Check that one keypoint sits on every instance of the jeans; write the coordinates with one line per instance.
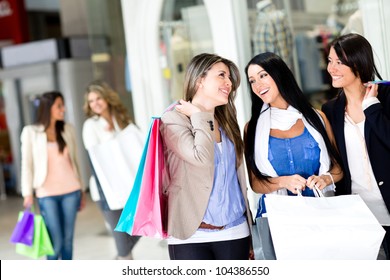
(237, 249)
(59, 213)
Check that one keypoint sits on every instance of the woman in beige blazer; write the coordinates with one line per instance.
(50, 171)
(208, 216)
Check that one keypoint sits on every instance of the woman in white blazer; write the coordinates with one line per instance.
(107, 117)
(50, 170)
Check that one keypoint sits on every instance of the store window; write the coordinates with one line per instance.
(184, 32)
(299, 32)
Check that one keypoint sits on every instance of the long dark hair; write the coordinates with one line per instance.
(355, 51)
(226, 115)
(46, 101)
(292, 94)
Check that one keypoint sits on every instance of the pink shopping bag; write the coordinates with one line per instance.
(151, 212)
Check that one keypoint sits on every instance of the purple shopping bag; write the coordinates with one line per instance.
(24, 229)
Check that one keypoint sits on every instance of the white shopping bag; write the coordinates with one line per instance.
(323, 228)
(116, 163)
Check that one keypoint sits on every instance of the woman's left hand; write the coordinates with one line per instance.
(371, 90)
(318, 181)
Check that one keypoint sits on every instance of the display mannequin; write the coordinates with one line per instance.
(354, 24)
(181, 56)
(263, 4)
(272, 32)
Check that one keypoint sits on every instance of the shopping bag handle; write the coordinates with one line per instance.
(316, 190)
(30, 208)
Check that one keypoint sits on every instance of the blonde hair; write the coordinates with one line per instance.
(115, 106)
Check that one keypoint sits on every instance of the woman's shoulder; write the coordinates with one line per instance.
(92, 122)
(69, 126)
(173, 116)
(33, 128)
(30, 132)
(384, 93)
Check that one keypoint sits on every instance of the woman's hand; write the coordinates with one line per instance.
(251, 254)
(28, 201)
(293, 183)
(187, 108)
(83, 201)
(371, 90)
(319, 181)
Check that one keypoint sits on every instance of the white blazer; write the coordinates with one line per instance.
(34, 156)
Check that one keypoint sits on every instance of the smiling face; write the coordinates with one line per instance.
(341, 74)
(264, 86)
(97, 103)
(57, 110)
(215, 87)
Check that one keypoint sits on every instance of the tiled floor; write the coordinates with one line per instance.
(92, 240)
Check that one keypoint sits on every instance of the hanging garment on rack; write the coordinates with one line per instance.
(180, 53)
(308, 59)
(272, 33)
(354, 24)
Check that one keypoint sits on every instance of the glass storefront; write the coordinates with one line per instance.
(142, 48)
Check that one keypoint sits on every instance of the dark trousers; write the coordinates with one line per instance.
(124, 243)
(237, 249)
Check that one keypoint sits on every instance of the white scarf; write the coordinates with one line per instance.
(262, 137)
(284, 119)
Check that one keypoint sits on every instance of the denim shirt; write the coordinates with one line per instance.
(226, 204)
(298, 155)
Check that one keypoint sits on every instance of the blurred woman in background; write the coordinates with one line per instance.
(50, 168)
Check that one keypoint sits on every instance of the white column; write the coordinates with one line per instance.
(141, 26)
(376, 24)
(230, 30)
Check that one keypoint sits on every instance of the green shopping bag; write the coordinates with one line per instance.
(42, 244)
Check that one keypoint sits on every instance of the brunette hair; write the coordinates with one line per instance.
(226, 115)
(292, 94)
(355, 51)
(46, 101)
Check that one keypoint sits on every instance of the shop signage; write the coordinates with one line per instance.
(13, 21)
(5, 9)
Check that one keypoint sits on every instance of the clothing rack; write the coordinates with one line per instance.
(171, 24)
(345, 8)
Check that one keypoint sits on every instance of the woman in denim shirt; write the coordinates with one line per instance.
(288, 144)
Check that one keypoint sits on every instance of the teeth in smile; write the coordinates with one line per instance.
(225, 92)
(264, 91)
